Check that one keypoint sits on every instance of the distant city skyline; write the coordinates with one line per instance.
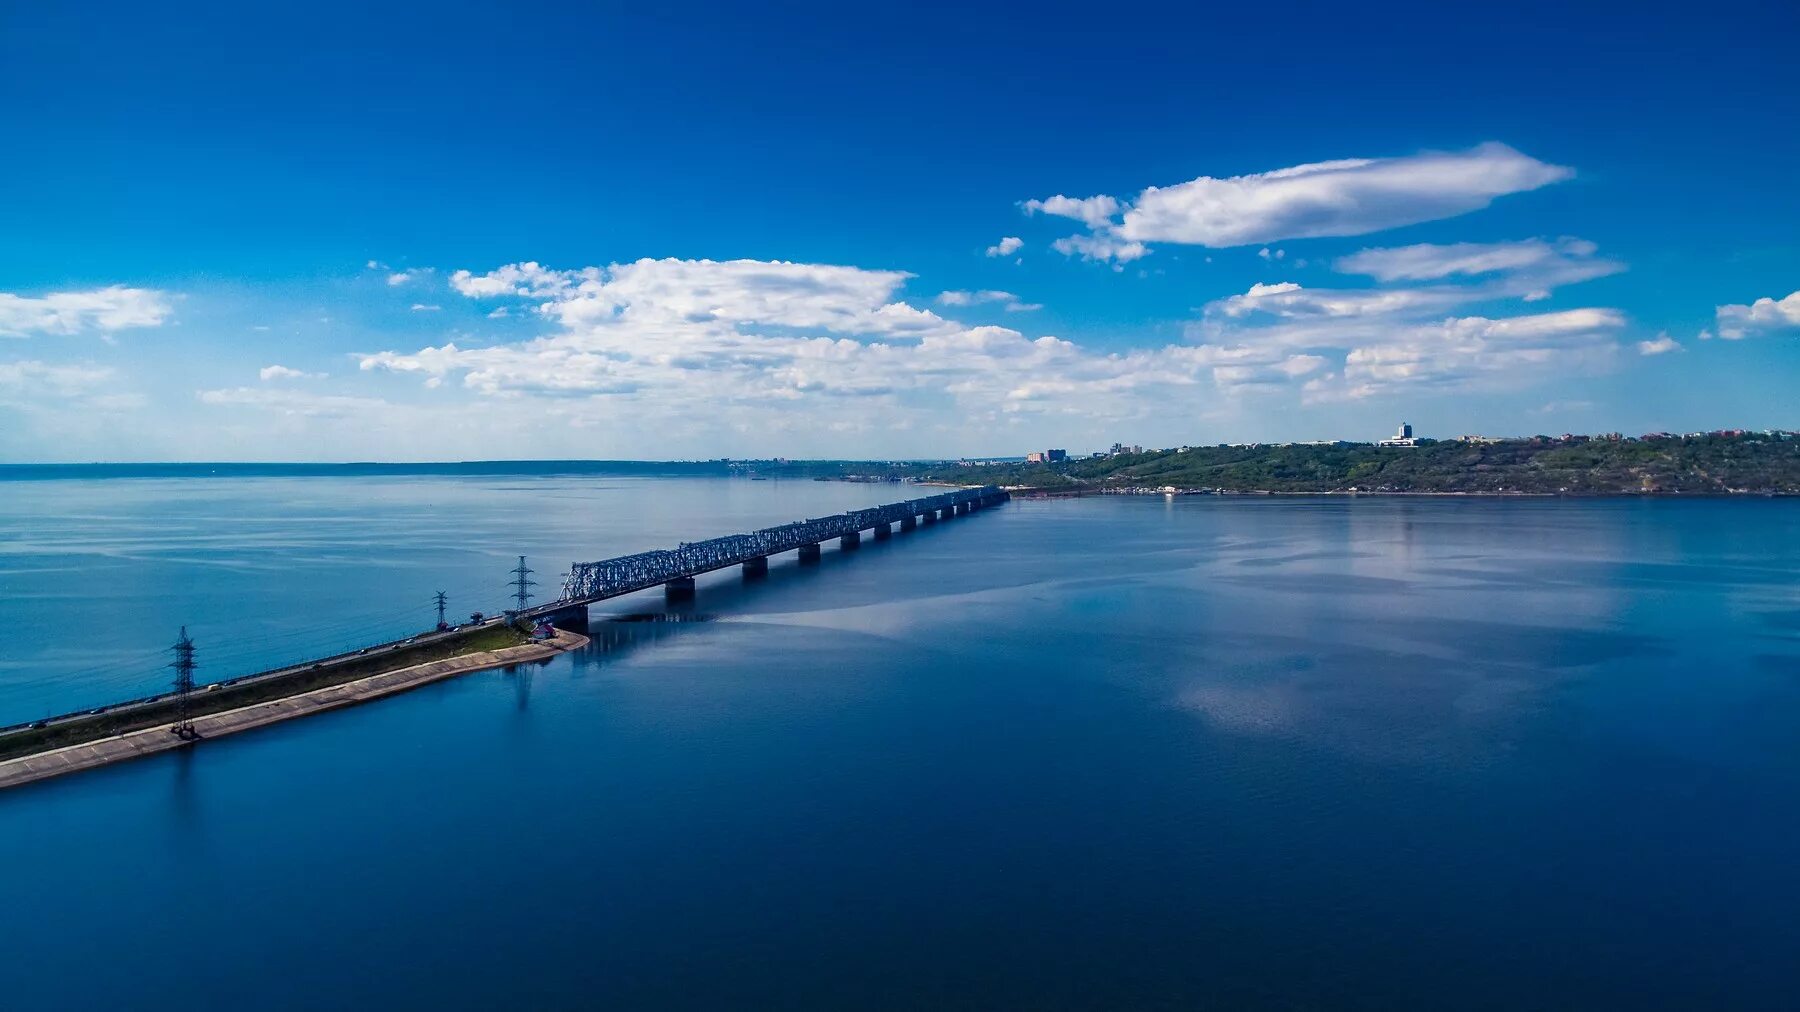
(859, 234)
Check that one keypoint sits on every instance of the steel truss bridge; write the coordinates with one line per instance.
(593, 581)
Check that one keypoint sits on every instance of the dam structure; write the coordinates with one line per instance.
(132, 728)
(675, 568)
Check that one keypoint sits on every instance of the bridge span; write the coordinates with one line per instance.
(675, 568)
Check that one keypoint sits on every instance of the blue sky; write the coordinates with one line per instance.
(233, 234)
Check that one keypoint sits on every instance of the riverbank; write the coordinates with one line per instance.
(160, 737)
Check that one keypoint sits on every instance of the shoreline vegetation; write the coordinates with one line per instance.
(1723, 463)
(1712, 464)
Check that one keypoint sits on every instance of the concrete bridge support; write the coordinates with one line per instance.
(573, 618)
(883, 532)
(756, 567)
(907, 523)
(850, 540)
(809, 553)
(679, 589)
(929, 517)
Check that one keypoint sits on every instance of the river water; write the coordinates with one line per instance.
(1099, 753)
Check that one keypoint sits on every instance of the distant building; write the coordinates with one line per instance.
(1056, 456)
(1402, 437)
(1035, 457)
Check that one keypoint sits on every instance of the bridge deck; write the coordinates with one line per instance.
(595, 581)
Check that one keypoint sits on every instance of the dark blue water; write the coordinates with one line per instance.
(1106, 753)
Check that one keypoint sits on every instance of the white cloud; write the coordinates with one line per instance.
(293, 402)
(1006, 246)
(1339, 198)
(1288, 300)
(1095, 212)
(1662, 345)
(526, 280)
(1474, 353)
(1008, 300)
(376, 265)
(1267, 254)
(782, 347)
(107, 310)
(648, 293)
(420, 307)
(1764, 316)
(1547, 263)
(61, 380)
(1101, 247)
(281, 372)
(775, 347)
(407, 276)
(500, 313)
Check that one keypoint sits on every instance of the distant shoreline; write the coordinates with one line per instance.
(1074, 492)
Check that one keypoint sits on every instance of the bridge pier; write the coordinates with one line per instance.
(883, 532)
(946, 513)
(758, 566)
(679, 589)
(573, 618)
(908, 522)
(929, 517)
(850, 540)
(809, 553)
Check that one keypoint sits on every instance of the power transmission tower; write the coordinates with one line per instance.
(522, 583)
(184, 688)
(440, 607)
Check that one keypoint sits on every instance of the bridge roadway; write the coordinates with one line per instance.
(676, 568)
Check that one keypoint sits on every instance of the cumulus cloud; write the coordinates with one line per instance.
(777, 346)
(1101, 247)
(1006, 247)
(1388, 337)
(1764, 316)
(1292, 301)
(269, 373)
(761, 342)
(407, 276)
(526, 280)
(1661, 345)
(1353, 196)
(420, 307)
(1474, 352)
(106, 310)
(1095, 212)
(838, 300)
(1008, 300)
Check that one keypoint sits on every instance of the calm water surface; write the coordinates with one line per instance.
(1103, 753)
